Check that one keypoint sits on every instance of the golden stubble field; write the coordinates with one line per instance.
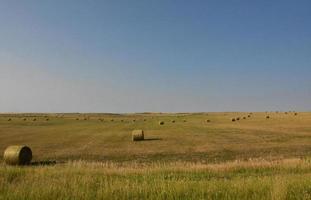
(92, 156)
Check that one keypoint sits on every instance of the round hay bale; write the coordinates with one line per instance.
(185, 120)
(112, 120)
(285, 113)
(9, 119)
(173, 121)
(268, 117)
(24, 119)
(238, 118)
(137, 135)
(208, 120)
(233, 119)
(47, 119)
(77, 119)
(34, 119)
(122, 120)
(296, 114)
(17, 155)
(248, 116)
(161, 123)
(134, 120)
(145, 120)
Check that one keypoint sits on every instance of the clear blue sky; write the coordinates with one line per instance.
(155, 55)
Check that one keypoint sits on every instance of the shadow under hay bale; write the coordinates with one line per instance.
(17, 155)
(43, 163)
(138, 135)
(152, 139)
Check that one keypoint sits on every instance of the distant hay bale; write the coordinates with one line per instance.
(9, 119)
(208, 120)
(34, 119)
(173, 121)
(244, 117)
(268, 117)
(85, 119)
(248, 116)
(137, 135)
(24, 119)
(161, 123)
(77, 119)
(185, 120)
(238, 118)
(286, 113)
(296, 113)
(47, 119)
(122, 120)
(233, 119)
(112, 120)
(17, 155)
(134, 120)
(145, 120)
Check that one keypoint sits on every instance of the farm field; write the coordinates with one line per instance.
(92, 156)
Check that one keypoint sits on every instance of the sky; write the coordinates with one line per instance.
(155, 55)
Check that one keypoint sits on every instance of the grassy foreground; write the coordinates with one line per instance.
(286, 179)
(91, 156)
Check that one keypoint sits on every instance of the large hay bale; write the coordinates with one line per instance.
(238, 118)
(137, 135)
(244, 117)
(17, 155)
(208, 120)
(268, 117)
(173, 121)
(161, 123)
(233, 119)
(9, 119)
(296, 114)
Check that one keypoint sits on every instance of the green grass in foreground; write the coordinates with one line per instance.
(249, 180)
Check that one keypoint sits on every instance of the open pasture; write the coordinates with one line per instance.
(198, 156)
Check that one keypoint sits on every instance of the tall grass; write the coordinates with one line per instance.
(255, 179)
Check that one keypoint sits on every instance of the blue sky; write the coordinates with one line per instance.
(155, 55)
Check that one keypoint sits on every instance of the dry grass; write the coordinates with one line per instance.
(244, 180)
